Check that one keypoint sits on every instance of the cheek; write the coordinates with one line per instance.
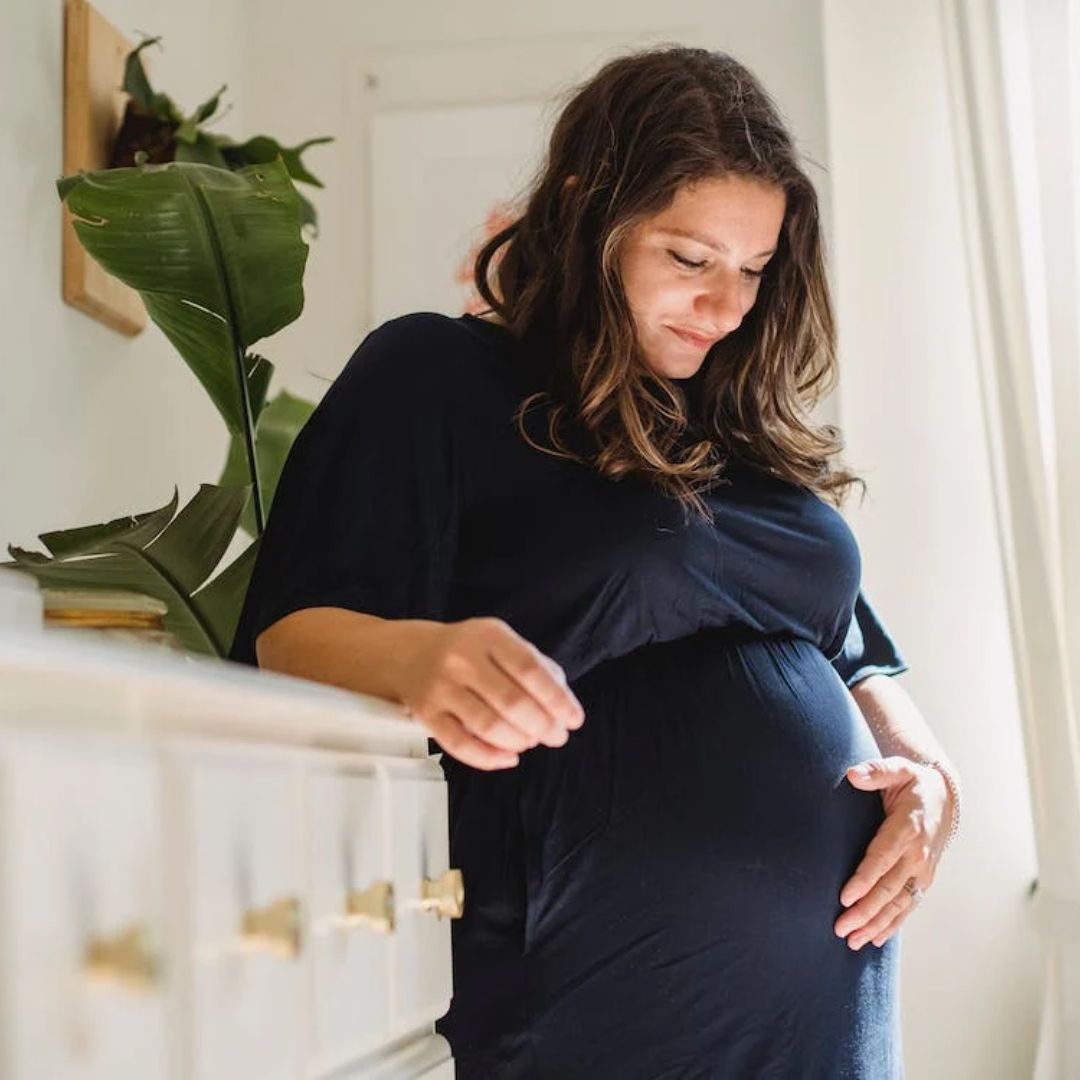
(665, 297)
(638, 283)
(650, 286)
(751, 299)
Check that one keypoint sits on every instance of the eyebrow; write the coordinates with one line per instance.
(689, 234)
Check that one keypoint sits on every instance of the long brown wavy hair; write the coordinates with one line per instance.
(645, 124)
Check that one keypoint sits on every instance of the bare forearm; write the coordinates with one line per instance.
(343, 648)
(895, 721)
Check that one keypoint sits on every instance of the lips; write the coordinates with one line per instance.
(702, 341)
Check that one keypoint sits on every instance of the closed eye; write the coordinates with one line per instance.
(687, 264)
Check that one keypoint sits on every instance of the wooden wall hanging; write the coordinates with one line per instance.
(94, 52)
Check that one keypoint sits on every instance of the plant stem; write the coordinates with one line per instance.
(249, 440)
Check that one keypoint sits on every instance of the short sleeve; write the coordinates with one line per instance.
(868, 647)
(366, 512)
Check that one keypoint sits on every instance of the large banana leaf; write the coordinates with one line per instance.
(213, 149)
(163, 556)
(216, 255)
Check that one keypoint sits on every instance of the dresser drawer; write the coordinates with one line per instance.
(423, 979)
(240, 816)
(425, 1057)
(352, 909)
(85, 991)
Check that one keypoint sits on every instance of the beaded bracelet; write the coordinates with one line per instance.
(954, 787)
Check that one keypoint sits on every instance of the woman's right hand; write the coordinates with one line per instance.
(484, 692)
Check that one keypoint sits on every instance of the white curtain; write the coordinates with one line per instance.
(1014, 78)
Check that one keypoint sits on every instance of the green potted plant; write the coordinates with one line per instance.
(154, 125)
(216, 252)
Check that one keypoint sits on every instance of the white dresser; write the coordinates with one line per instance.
(209, 871)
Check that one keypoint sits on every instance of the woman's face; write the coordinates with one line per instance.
(696, 267)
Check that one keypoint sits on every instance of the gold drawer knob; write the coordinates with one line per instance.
(275, 928)
(126, 957)
(445, 895)
(373, 906)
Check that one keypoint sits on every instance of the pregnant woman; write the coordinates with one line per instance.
(589, 539)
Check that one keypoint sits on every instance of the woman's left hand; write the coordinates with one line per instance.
(918, 810)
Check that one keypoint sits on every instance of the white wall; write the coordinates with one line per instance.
(93, 424)
(910, 408)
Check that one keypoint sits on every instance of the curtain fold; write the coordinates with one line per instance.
(1014, 84)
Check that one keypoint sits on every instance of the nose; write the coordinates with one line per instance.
(721, 308)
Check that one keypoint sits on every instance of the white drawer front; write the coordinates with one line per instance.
(80, 832)
(426, 1057)
(243, 826)
(350, 947)
(419, 837)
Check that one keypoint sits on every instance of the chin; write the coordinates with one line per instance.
(676, 362)
(675, 369)
(676, 366)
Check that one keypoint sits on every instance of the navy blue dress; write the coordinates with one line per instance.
(656, 898)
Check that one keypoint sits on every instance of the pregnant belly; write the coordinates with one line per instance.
(704, 800)
(655, 899)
